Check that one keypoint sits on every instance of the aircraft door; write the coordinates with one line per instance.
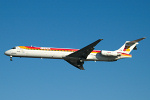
(20, 51)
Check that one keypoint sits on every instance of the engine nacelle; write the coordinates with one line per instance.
(110, 53)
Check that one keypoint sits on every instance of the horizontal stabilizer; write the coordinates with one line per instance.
(135, 41)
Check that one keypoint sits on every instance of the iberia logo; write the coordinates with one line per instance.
(127, 48)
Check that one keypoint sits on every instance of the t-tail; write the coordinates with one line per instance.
(128, 47)
(124, 51)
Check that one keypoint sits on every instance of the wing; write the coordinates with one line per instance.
(77, 58)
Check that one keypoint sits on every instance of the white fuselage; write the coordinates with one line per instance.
(75, 57)
(55, 53)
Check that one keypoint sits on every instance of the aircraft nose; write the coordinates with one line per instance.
(7, 52)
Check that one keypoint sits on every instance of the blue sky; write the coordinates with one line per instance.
(74, 24)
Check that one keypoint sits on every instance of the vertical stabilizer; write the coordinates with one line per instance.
(129, 46)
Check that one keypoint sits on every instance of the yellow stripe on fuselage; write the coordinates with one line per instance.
(38, 48)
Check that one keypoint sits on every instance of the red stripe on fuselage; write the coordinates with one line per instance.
(32, 47)
(59, 49)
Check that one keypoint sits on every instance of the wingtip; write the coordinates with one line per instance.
(100, 39)
(144, 37)
(81, 68)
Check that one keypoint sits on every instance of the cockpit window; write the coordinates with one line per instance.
(14, 48)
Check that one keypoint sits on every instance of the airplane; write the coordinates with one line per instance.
(75, 57)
